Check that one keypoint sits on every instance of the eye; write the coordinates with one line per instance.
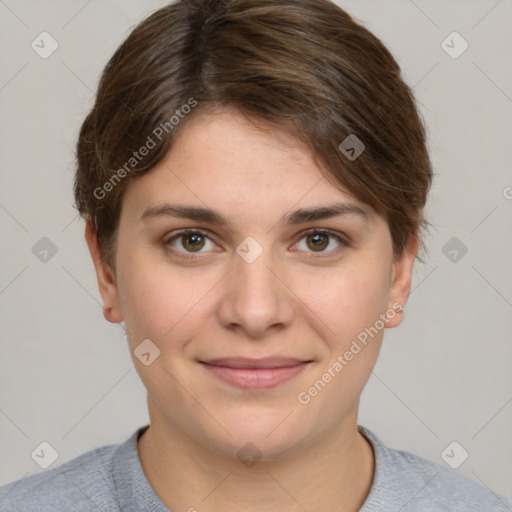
(317, 240)
(192, 241)
(189, 241)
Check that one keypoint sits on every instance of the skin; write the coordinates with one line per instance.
(294, 300)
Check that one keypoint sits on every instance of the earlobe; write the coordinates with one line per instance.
(106, 281)
(401, 278)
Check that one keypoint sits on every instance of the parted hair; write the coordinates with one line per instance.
(304, 66)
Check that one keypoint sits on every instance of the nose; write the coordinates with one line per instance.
(256, 299)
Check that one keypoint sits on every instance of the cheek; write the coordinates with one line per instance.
(347, 305)
(167, 309)
(344, 302)
(149, 304)
(160, 302)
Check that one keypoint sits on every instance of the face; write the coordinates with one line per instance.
(261, 319)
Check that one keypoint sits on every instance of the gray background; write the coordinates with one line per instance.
(66, 376)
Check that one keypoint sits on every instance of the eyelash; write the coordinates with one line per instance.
(344, 242)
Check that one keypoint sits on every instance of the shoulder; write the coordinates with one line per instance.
(83, 483)
(409, 481)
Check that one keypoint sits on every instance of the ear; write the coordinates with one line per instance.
(401, 277)
(106, 281)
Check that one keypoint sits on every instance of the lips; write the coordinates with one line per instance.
(254, 374)
(265, 362)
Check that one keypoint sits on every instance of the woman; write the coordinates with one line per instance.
(253, 176)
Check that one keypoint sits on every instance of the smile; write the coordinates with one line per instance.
(255, 374)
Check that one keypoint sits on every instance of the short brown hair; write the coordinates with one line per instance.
(302, 65)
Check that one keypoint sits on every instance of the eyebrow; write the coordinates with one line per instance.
(209, 216)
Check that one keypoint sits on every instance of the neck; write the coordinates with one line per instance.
(334, 473)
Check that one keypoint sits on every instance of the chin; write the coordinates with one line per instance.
(264, 433)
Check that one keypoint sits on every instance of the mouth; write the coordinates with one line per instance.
(255, 374)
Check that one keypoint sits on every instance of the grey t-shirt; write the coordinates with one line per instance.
(110, 478)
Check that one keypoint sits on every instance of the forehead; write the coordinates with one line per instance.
(236, 146)
(225, 162)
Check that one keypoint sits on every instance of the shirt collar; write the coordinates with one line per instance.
(135, 492)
